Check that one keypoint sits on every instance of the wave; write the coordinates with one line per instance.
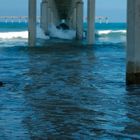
(21, 35)
(56, 33)
(108, 32)
(41, 34)
(61, 34)
(14, 35)
(53, 32)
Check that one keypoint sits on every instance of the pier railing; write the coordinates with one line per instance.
(20, 19)
(13, 19)
(101, 19)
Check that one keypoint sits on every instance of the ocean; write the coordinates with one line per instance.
(64, 89)
(16, 34)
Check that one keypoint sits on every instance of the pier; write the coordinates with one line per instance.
(72, 11)
(54, 11)
(53, 89)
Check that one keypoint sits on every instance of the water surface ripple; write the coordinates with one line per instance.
(67, 92)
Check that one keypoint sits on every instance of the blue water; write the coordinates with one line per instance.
(67, 90)
(16, 26)
(109, 26)
(105, 33)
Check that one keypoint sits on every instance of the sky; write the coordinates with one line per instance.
(114, 9)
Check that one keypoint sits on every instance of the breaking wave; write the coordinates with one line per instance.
(61, 34)
(111, 32)
(14, 35)
(57, 33)
(53, 32)
(21, 35)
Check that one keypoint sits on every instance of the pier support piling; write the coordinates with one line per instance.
(74, 19)
(79, 20)
(44, 15)
(32, 23)
(91, 21)
(49, 17)
(133, 42)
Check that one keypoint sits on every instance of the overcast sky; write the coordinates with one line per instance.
(114, 9)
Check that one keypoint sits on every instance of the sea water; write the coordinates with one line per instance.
(65, 89)
(16, 34)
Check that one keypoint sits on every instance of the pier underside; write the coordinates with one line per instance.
(56, 11)
(71, 11)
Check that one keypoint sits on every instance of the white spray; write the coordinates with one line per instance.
(60, 33)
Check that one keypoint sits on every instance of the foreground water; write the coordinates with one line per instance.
(67, 90)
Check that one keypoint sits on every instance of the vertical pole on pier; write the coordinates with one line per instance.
(79, 20)
(44, 15)
(91, 21)
(133, 42)
(32, 23)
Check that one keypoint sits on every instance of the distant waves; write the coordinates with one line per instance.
(24, 34)
(107, 32)
(14, 35)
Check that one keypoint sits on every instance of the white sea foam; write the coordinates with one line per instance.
(21, 35)
(54, 32)
(41, 34)
(14, 35)
(61, 34)
(107, 32)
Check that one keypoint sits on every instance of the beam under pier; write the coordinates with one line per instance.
(91, 21)
(32, 23)
(133, 42)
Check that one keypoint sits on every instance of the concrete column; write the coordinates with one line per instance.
(41, 14)
(49, 16)
(91, 21)
(74, 19)
(56, 19)
(133, 42)
(79, 20)
(44, 15)
(69, 22)
(32, 23)
(52, 17)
